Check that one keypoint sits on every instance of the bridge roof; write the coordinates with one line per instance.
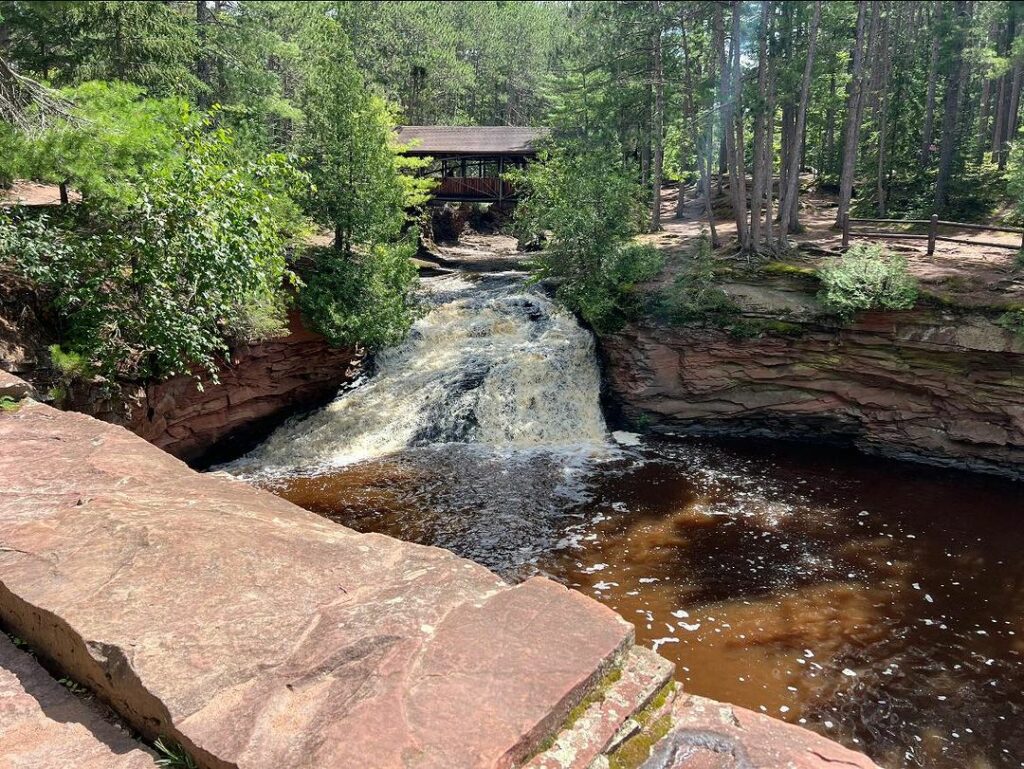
(471, 140)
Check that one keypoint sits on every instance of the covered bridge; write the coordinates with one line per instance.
(469, 161)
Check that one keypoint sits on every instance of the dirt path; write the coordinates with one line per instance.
(975, 275)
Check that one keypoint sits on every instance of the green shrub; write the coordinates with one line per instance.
(694, 294)
(867, 277)
(1013, 321)
(170, 755)
(156, 286)
(365, 298)
(69, 365)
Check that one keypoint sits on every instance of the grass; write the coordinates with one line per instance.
(787, 268)
(634, 751)
(172, 756)
(7, 403)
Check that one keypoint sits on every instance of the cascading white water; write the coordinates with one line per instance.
(492, 363)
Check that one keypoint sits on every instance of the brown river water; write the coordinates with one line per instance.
(878, 603)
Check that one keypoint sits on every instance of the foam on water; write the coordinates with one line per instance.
(491, 363)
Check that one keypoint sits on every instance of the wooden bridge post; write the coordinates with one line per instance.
(846, 230)
(933, 230)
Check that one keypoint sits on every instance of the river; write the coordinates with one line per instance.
(878, 603)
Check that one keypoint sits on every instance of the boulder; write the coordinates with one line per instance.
(713, 735)
(261, 636)
(44, 726)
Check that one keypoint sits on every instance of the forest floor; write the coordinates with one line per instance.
(974, 274)
(25, 193)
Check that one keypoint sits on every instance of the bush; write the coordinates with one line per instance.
(867, 277)
(365, 298)
(69, 365)
(155, 287)
(1012, 320)
(590, 209)
(695, 294)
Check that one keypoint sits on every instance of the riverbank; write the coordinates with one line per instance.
(942, 383)
(250, 631)
(194, 418)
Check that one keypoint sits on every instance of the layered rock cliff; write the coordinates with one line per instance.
(196, 420)
(203, 421)
(939, 384)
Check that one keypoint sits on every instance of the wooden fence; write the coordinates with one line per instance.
(933, 232)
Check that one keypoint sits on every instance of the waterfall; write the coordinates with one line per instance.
(492, 362)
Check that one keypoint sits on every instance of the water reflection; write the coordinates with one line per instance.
(877, 603)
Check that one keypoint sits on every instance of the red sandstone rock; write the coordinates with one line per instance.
(711, 735)
(909, 384)
(643, 675)
(264, 382)
(13, 387)
(261, 636)
(43, 726)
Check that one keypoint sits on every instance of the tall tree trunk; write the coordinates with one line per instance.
(760, 130)
(204, 65)
(928, 131)
(1011, 116)
(851, 128)
(1001, 109)
(951, 109)
(658, 124)
(986, 90)
(829, 145)
(788, 219)
(882, 117)
(690, 120)
(737, 169)
(706, 145)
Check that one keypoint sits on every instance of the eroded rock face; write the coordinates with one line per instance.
(261, 636)
(264, 384)
(914, 384)
(43, 726)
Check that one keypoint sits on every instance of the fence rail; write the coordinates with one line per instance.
(932, 236)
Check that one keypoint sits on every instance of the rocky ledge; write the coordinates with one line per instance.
(255, 634)
(940, 385)
(202, 421)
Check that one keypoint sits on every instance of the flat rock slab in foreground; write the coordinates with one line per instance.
(713, 735)
(43, 726)
(261, 636)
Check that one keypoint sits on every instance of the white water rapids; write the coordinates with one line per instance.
(492, 363)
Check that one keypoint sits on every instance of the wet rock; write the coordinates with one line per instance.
(260, 636)
(43, 726)
(712, 735)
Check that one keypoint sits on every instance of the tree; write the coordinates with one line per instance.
(791, 173)
(658, 123)
(589, 211)
(150, 44)
(851, 128)
(951, 104)
(157, 285)
(348, 145)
